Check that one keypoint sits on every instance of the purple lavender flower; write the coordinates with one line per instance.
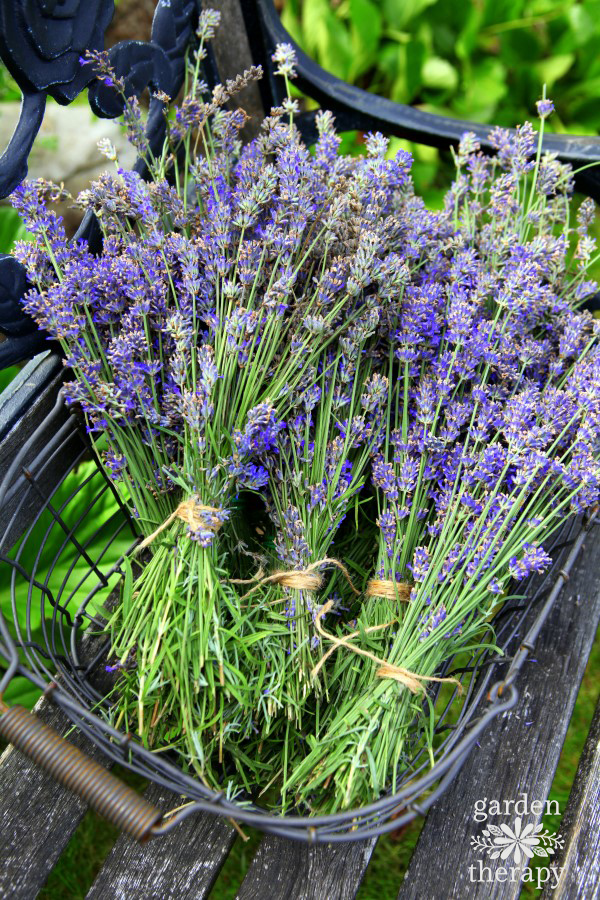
(534, 559)
(285, 57)
(544, 108)
(260, 434)
(420, 563)
(387, 524)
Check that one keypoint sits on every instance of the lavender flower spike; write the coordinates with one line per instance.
(285, 57)
(545, 108)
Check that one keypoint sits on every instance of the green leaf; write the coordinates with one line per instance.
(366, 32)
(520, 48)
(291, 22)
(439, 73)
(467, 40)
(483, 92)
(21, 691)
(11, 228)
(327, 39)
(399, 14)
(501, 11)
(415, 55)
(7, 375)
(405, 65)
(550, 70)
(581, 24)
(391, 57)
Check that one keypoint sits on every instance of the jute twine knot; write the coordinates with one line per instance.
(189, 511)
(389, 590)
(411, 680)
(307, 579)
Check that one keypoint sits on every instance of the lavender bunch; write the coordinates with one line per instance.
(190, 337)
(317, 469)
(494, 438)
(314, 479)
(409, 399)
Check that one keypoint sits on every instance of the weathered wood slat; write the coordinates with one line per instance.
(183, 864)
(37, 815)
(579, 862)
(286, 870)
(519, 752)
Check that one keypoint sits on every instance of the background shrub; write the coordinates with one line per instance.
(485, 61)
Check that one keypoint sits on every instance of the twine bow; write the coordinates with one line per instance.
(189, 511)
(411, 680)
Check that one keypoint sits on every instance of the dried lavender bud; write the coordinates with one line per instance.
(285, 57)
(208, 22)
(544, 108)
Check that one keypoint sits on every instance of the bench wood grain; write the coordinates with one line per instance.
(282, 870)
(179, 866)
(580, 860)
(518, 753)
(38, 816)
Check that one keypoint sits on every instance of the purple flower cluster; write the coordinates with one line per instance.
(198, 301)
(495, 430)
(389, 380)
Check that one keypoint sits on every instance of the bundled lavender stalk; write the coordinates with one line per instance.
(191, 338)
(494, 439)
(408, 402)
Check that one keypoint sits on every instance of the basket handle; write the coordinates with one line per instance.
(112, 799)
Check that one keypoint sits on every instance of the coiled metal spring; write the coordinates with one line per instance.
(112, 799)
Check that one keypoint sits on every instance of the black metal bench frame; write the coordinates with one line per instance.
(521, 749)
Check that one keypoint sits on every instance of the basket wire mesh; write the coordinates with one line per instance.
(50, 624)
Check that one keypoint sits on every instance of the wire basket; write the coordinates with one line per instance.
(60, 557)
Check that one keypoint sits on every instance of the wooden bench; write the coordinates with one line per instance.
(518, 754)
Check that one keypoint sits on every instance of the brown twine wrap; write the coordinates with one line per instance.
(189, 511)
(303, 579)
(254, 578)
(345, 640)
(389, 590)
(411, 680)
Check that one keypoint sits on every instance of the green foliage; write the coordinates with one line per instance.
(485, 62)
(7, 375)
(68, 573)
(11, 228)
(9, 91)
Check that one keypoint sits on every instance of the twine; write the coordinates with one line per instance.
(254, 578)
(345, 640)
(302, 579)
(411, 680)
(190, 512)
(389, 590)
